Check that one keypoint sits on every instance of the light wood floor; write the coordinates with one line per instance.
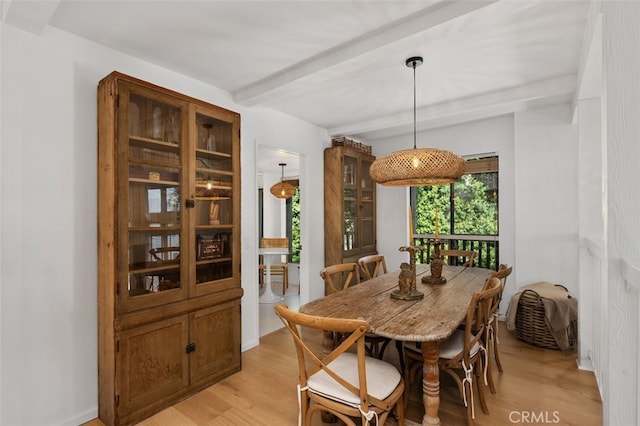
(537, 386)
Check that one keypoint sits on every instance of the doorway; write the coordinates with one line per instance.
(278, 218)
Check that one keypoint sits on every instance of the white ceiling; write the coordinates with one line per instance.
(269, 160)
(341, 64)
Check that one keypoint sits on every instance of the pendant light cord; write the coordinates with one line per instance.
(414, 104)
(282, 165)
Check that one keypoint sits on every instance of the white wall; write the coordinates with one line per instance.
(1, 203)
(546, 202)
(491, 135)
(308, 141)
(591, 227)
(269, 128)
(621, 21)
(591, 196)
(48, 270)
(273, 208)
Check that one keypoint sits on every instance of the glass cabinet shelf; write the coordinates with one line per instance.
(140, 142)
(155, 182)
(216, 153)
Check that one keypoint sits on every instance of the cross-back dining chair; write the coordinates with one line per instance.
(339, 277)
(461, 354)
(454, 257)
(492, 330)
(276, 268)
(373, 265)
(345, 382)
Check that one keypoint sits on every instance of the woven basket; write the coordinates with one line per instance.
(531, 326)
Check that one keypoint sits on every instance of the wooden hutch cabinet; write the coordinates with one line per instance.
(168, 247)
(349, 205)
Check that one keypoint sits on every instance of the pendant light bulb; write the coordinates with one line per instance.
(415, 162)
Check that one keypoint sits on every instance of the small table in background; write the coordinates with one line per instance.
(271, 256)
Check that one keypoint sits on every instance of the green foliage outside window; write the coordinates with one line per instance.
(475, 205)
(428, 200)
(295, 226)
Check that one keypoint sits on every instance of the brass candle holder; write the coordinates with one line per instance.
(436, 277)
(407, 278)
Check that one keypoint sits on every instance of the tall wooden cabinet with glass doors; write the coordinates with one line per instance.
(168, 247)
(349, 205)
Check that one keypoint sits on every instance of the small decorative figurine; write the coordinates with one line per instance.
(404, 280)
(213, 214)
(407, 279)
(436, 277)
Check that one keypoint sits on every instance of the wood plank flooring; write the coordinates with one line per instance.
(538, 386)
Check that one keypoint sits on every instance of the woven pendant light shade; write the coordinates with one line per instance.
(417, 166)
(283, 189)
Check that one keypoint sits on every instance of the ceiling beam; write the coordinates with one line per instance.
(28, 15)
(420, 21)
(464, 117)
(590, 63)
(476, 107)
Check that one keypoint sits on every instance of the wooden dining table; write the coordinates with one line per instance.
(429, 320)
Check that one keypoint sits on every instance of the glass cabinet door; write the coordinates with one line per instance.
(214, 201)
(350, 236)
(367, 208)
(151, 144)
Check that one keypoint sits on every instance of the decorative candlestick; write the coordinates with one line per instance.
(407, 279)
(436, 277)
(410, 242)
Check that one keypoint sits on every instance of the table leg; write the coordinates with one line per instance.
(327, 342)
(431, 383)
(269, 296)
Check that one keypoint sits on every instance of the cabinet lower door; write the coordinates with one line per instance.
(153, 364)
(216, 334)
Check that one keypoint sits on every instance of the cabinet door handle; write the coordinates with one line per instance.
(191, 347)
(190, 203)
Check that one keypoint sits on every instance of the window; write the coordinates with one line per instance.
(467, 211)
(161, 200)
(293, 225)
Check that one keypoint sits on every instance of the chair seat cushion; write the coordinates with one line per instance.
(382, 379)
(451, 347)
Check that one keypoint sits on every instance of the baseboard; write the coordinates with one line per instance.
(82, 418)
